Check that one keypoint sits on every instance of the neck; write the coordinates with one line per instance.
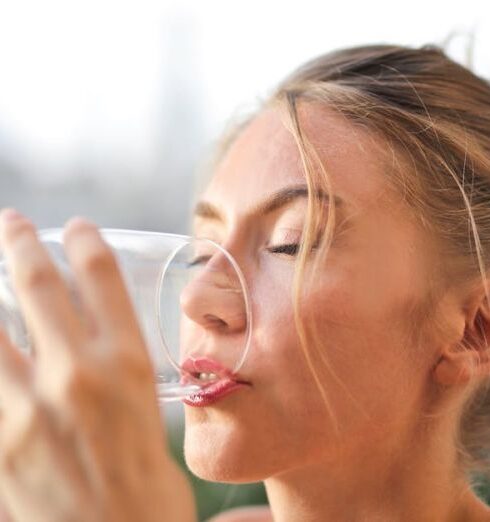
(421, 483)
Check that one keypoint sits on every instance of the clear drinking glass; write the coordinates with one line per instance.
(161, 271)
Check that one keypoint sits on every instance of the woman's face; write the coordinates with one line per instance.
(362, 299)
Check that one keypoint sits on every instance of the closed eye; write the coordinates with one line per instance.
(290, 249)
(198, 260)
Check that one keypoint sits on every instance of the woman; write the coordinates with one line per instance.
(362, 185)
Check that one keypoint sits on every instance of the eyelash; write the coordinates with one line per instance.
(290, 249)
(198, 261)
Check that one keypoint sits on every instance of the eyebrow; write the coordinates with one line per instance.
(277, 200)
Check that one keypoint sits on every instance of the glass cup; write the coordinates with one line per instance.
(187, 293)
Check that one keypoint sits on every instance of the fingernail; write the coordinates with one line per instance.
(10, 214)
(79, 221)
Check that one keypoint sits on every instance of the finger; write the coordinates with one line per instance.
(42, 294)
(4, 516)
(15, 376)
(100, 281)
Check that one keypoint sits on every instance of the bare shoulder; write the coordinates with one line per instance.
(247, 514)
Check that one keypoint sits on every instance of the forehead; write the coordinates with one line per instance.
(264, 158)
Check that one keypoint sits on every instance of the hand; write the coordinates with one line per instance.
(81, 436)
(4, 516)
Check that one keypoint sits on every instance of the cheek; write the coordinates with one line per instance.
(360, 345)
(358, 350)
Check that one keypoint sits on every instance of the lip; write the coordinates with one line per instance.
(227, 381)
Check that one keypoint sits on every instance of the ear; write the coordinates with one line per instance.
(468, 359)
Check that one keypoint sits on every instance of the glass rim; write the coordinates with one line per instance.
(57, 233)
(243, 284)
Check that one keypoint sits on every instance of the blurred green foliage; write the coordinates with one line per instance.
(482, 488)
(212, 497)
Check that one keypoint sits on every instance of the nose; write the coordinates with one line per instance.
(214, 298)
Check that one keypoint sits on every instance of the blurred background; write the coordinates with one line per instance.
(109, 108)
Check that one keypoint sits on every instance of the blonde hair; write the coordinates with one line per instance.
(435, 115)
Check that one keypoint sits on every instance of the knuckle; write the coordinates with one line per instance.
(136, 367)
(99, 261)
(37, 276)
(19, 433)
(83, 384)
(77, 389)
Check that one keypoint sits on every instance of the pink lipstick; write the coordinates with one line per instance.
(220, 381)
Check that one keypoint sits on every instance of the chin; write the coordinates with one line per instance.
(219, 450)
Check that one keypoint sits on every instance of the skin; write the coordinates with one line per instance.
(394, 447)
(392, 456)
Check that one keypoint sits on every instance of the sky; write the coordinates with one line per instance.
(96, 78)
